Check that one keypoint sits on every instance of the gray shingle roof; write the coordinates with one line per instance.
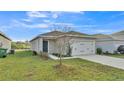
(2, 34)
(54, 34)
(119, 33)
(102, 36)
(106, 37)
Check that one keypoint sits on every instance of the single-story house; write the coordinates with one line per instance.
(51, 42)
(80, 43)
(5, 42)
(109, 43)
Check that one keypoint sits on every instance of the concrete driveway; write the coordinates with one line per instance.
(110, 61)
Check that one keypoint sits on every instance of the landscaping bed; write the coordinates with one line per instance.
(58, 55)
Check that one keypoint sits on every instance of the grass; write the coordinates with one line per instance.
(117, 55)
(24, 66)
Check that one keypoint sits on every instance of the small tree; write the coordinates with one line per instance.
(61, 48)
(99, 51)
(64, 43)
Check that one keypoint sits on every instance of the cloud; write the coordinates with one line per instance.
(27, 20)
(77, 12)
(21, 24)
(46, 21)
(36, 14)
(104, 31)
(56, 14)
(114, 16)
(5, 27)
(85, 26)
(40, 25)
(62, 24)
(74, 25)
(52, 14)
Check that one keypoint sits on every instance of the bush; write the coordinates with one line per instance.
(12, 51)
(107, 53)
(58, 55)
(115, 52)
(34, 53)
(99, 51)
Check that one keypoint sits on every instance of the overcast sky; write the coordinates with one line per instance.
(23, 25)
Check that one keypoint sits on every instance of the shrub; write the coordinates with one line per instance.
(58, 55)
(115, 52)
(107, 52)
(99, 51)
(12, 51)
(34, 53)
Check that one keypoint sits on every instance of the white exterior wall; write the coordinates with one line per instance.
(40, 45)
(75, 43)
(82, 46)
(106, 46)
(5, 43)
(36, 45)
(52, 46)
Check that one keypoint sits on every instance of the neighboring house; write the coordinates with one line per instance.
(80, 43)
(109, 43)
(5, 42)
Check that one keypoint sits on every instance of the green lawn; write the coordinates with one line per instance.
(24, 66)
(117, 55)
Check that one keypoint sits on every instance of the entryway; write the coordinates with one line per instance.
(45, 46)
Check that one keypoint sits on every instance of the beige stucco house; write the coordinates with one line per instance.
(51, 42)
(5, 42)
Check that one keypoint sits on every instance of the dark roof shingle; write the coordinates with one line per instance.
(2, 34)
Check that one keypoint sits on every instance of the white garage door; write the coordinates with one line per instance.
(82, 48)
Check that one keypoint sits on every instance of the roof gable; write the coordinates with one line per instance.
(52, 33)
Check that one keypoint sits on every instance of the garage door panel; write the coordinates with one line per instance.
(81, 48)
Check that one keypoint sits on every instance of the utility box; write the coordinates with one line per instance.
(3, 52)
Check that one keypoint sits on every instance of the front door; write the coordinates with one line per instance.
(45, 46)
